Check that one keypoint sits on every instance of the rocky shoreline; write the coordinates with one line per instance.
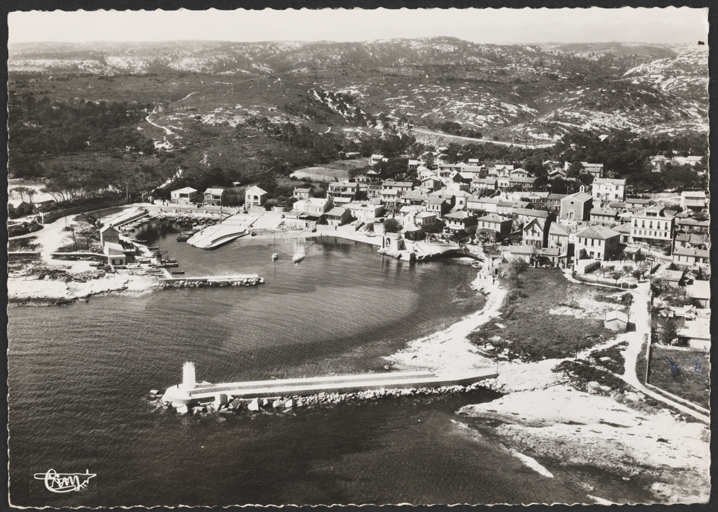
(546, 414)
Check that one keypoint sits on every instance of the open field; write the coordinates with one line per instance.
(546, 316)
(683, 372)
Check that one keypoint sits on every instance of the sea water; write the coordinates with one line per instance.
(79, 377)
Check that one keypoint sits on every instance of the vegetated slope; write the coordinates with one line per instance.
(513, 92)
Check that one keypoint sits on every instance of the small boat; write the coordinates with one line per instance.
(177, 272)
(153, 248)
(170, 260)
(254, 233)
(275, 256)
(167, 264)
(298, 257)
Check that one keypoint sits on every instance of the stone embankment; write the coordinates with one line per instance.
(280, 404)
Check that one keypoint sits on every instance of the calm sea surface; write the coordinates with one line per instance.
(79, 376)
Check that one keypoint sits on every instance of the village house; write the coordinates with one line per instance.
(302, 193)
(255, 196)
(557, 173)
(652, 226)
(426, 220)
(594, 169)
(526, 215)
(430, 184)
(538, 199)
(535, 233)
(519, 173)
(373, 190)
(483, 204)
(480, 184)
(438, 205)
(402, 187)
(686, 160)
(674, 278)
(366, 211)
(460, 221)
(694, 200)
(606, 216)
(608, 189)
(625, 231)
(424, 172)
(473, 171)
(700, 293)
(690, 256)
(416, 196)
(576, 206)
(115, 254)
(213, 196)
(503, 182)
(688, 240)
(337, 216)
(597, 242)
(561, 237)
(553, 201)
(526, 253)
(504, 207)
(375, 159)
(413, 165)
(503, 169)
(316, 206)
(457, 198)
(343, 191)
(501, 226)
(637, 203)
(616, 321)
(109, 234)
(696, 334)
(186, 195)
(523, 183)
(687, 225)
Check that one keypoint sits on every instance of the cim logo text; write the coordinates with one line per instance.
(65, 482)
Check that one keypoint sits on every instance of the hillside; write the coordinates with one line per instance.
(524, 93)
(260, 109)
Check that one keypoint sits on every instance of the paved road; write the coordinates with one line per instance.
(640, 316)
(485, 141)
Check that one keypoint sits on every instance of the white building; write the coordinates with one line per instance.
(608, 189)
(185, 195)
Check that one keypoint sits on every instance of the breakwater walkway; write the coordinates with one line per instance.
(192, 393)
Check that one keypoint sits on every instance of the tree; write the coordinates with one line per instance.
(669, 331)
(392, 226)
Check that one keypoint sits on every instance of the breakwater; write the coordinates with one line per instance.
(198, 282)
(190, 393)
(287, 403)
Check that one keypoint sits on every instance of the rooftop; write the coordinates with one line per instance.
(598, 232)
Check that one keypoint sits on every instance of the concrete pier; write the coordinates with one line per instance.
(186, 394)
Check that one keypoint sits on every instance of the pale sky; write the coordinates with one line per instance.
(650, 25)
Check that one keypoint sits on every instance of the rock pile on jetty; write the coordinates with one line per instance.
(280, 404)
(189, 283)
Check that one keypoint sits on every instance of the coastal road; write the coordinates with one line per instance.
(641, 317)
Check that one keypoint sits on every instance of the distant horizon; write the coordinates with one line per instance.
(670, 25)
